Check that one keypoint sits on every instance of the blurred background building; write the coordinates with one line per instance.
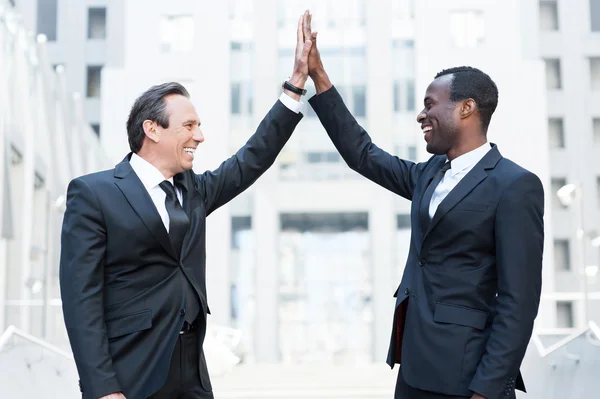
(303, 264)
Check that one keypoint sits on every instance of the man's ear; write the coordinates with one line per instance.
(151, 131)
(467, 108)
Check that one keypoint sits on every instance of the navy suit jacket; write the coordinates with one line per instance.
(471, 287)
(120, 278)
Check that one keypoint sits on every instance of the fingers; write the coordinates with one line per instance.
(306, 49)
(299, 32)
(307, 20)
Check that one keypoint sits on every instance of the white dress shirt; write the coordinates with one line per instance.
(459, 167)
(151, 178)
(290, 103)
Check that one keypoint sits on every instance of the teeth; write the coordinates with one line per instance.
(426, 129)
(189, 151)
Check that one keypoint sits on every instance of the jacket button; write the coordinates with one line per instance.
(406, 291)
(182, 312)
(421, 262)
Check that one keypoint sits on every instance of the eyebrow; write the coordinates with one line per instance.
(192, 121)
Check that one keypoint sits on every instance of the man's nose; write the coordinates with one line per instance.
(198, 136)
(421, 116)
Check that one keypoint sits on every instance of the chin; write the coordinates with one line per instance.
(434, 150)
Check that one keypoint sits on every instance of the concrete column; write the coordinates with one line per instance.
(265, 221)
(212, 101)
(382, 215)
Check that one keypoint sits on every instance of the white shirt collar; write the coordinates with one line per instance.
(468, 159)
(148, 174)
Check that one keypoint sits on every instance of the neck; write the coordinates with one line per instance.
(466, 146)
(155, 161)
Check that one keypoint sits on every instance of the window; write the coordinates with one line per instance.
(556, 184)
(177, 33)
(595, 73)
(402, 221)
(553, 78)
(404, 95)
(412, 153)
(548, 15)
(96, 128)
(467, 28)
(596, 129)
(239, 223)
(97, 23)
(595, 15)
(324, 221)
(322, 157)
(562, 257)
(236, 101)
(47, 13)
(556, 132)
(94, 74)
(360, 101)
(564, 315)
(598, 191)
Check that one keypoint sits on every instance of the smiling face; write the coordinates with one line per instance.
(174, 146)
(440, 118)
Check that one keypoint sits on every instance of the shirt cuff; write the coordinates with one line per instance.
(290, 103)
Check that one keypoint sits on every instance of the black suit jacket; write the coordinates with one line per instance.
(471, 286)
(121, 280)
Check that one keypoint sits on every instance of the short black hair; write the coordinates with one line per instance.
(150, 106)
(469, 82)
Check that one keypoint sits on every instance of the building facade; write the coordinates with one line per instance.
(313, 250)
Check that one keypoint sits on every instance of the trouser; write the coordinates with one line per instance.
(183, 380)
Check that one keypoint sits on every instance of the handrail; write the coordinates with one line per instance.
(543, 352)
(12, 331)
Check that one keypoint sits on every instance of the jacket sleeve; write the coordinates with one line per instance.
(83, 244)
(356, 148)
(240, 171)
(519, 246)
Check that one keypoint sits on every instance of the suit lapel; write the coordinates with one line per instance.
(465, 186)
(139, 199)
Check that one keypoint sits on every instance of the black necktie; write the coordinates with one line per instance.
(178, 220)
(426, 199)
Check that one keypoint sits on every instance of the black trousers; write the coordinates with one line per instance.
(405, 391)
(183, 380)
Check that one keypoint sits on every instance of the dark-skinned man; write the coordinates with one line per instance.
(471, 286)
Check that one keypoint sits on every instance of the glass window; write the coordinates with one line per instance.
(325, 289)
(548, 15)
(553, 75)
(47, 14)
(359, 100)
(403, 221)
(96, 128)
(556, 132)
(564, 315)
(94, 77)
(595, 15)
(236, 103)
(97, 23)
(595, 73)
(596, 129)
